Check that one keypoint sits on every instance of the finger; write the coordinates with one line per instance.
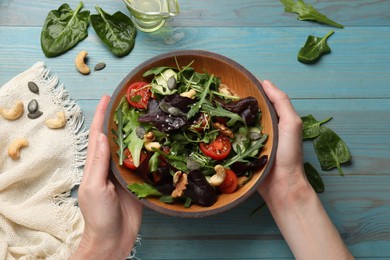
(95, 129)
(281, 102)
(98, 119)
(100, 162)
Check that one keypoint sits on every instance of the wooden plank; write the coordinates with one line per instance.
(204, 12)
(358, 66)
(358, 205)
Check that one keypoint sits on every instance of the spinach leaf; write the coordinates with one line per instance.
(314, 178)
(307, 12)
(117, 31)
(311, 127)
(314, 48)
(143, 190)
(63, 29)
(331, 150)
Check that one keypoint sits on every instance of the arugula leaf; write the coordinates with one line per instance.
(63, 29)
(314, 178)
(167, 199)
(219, 111)
(119, 117)
(196, 107)
(311, 127)
(307, 12)
(239, 157)
(143, 190)
(154, 162)
(314, 48)
(331, 150)
(131, 116)
(176, 160)
(117, 31)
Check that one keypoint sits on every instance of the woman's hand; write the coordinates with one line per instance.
(112, 217)
(293, 203)
(287, 173)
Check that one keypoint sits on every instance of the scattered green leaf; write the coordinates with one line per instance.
(117, 31)
(314, 178)
(63, 29)
(311, 127)
(314, 48)
(331, 150)
(260, 207)
(307, 12)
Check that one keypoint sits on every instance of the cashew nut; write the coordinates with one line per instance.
(13, 113)
(81, 66)
(176, 177)
(149, 137)
(150, 146)
(190, 93)
(15, 146)
(58, 122)
(219, 176)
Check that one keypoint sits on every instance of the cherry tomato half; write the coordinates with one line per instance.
(218, 149)
(128, 160)
(138, 95)
(229, 185)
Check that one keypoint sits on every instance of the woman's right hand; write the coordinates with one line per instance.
(293, 203)
(287, 174)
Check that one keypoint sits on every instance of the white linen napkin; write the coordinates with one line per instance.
(38, 217)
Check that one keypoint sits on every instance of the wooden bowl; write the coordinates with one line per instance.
(242, 82)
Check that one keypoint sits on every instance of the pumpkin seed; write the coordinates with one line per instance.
(33, 87)
(171, 83)
(32, 106)
(140, 131)
(100, 66)
(35, 115)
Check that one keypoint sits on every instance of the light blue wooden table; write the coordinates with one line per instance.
(352, 84)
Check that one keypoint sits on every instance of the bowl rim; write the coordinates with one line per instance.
(274, 118)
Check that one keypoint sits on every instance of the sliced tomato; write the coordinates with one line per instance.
(138, 95)
(218, 149)
(128, 160)
(229, 185)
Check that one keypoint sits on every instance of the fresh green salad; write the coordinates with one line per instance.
(187, 136)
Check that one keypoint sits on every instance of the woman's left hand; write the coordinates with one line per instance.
(112, 217)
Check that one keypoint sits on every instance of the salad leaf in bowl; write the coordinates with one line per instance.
(191, 133)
